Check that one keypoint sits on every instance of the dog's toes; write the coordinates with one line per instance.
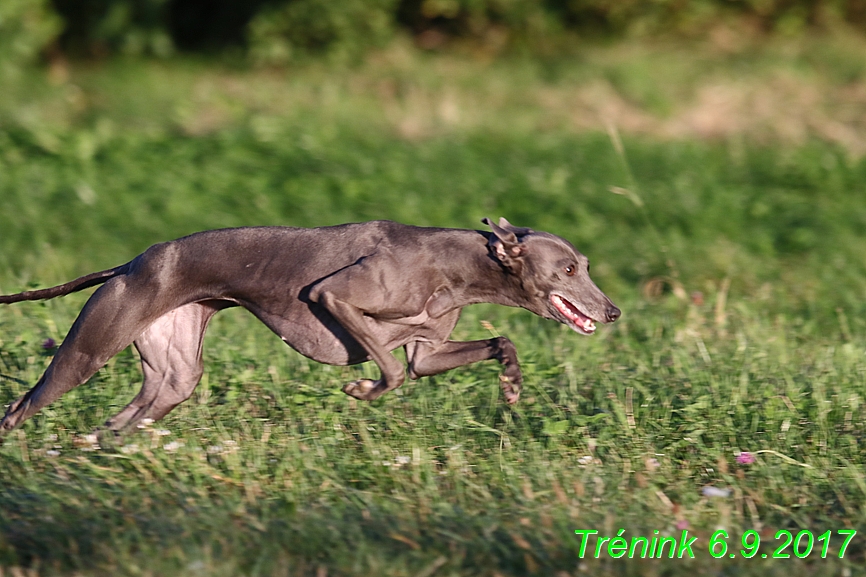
(107, 438)
(510, 389)
(363, 389)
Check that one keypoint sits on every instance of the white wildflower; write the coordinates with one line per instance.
(710, 491)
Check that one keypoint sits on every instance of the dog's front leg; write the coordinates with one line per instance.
(352, 319)
(426, 359)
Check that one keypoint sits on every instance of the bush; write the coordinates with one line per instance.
(338, 30)
(532, 20)
(102, 27)
(26, 28)
(278, 31)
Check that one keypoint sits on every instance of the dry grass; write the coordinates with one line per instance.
(785, 92)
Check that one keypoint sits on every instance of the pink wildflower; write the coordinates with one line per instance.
(745, 458)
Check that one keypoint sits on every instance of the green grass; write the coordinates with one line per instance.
(739, 268)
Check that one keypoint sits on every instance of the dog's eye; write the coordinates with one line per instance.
(569, 270)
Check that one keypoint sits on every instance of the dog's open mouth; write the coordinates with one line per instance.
(574, 318)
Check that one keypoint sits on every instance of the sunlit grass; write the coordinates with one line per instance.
(269, 464)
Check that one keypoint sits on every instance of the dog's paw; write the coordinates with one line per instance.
(510, 389)
(363, 389)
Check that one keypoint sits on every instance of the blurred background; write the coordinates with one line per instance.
(684, 146)
(281, 31)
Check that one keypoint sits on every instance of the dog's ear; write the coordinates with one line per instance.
(518, 230)
(505, 246)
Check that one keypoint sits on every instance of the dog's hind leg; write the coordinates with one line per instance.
(170, 352)
(113, 317)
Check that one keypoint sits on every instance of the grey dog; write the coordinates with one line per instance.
(340, 295)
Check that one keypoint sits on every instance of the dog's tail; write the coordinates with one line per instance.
(78, 284)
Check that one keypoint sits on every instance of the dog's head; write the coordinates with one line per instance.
(553, 276)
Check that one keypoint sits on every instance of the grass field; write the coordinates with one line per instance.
(737, 261)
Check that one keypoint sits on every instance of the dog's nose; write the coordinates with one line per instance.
(613, 313)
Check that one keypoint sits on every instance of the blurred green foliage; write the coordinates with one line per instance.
(131, 27)
(339, 30)
(282, 30)
(26, 27)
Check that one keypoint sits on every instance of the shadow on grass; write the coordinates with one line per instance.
(61, 527)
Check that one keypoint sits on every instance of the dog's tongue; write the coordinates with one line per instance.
(572, 313)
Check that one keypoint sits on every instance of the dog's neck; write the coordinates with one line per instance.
(483, 279)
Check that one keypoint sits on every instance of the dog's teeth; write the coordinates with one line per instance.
(573, 314)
